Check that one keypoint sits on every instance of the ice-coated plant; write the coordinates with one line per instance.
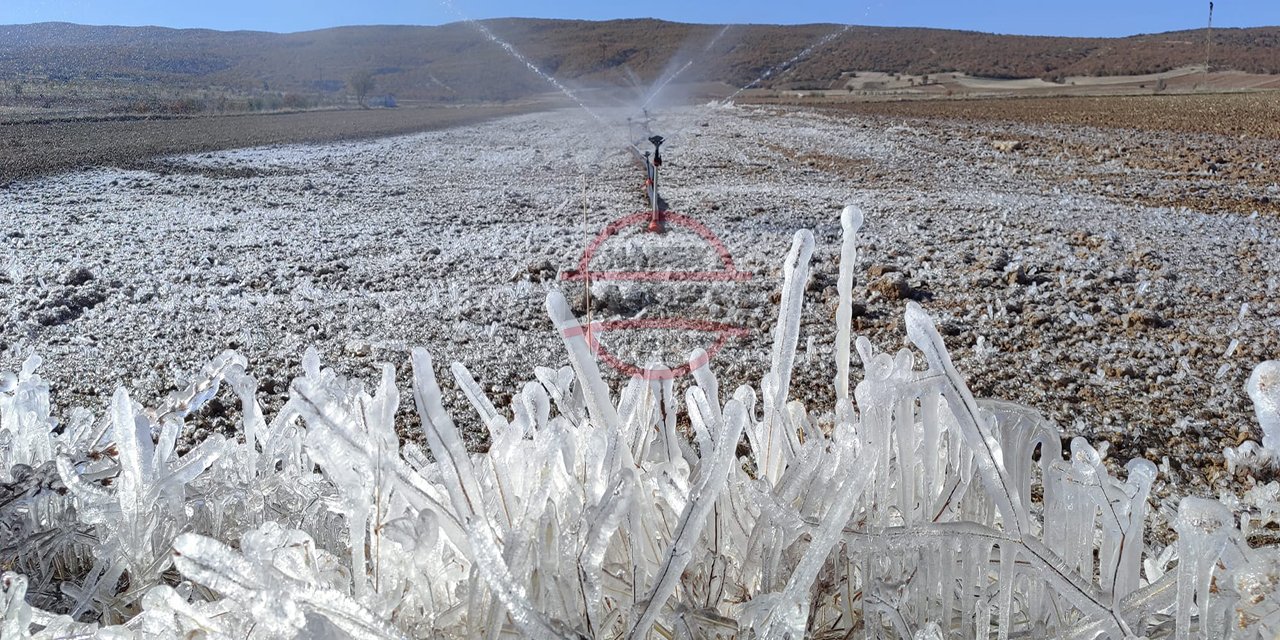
(1263, 388)
(910, 509)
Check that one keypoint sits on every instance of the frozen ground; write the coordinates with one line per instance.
(1131, 324)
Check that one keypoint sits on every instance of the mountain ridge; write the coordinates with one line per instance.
(456, 63)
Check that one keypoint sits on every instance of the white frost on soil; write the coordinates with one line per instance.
(1099, 312)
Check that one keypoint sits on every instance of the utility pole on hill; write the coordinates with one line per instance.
(1208, 43)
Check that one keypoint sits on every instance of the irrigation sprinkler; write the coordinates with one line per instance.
(650, 161)
(655, 223)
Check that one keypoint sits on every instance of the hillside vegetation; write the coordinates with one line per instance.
(455, 62)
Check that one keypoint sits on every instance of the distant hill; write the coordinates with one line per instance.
(456, 63)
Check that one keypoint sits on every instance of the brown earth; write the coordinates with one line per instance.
(1233, 114)
(31, 149)
(1224, 159)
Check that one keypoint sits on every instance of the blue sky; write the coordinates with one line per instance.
(1040, 17)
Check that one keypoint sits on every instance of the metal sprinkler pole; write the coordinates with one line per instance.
(586, 281)
(655, 223)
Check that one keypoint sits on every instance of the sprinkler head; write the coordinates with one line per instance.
(657, 151)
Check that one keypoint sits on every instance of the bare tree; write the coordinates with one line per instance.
(361, 84)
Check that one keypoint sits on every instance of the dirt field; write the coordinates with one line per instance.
(1221, 156)
(31, 149)
(1232, 114)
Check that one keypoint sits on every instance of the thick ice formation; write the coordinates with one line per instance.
(909, 510)
(1263, 388)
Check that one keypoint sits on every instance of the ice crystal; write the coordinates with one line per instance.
(1263, 387)
(910, 509)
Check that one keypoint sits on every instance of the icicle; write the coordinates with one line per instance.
(790, 612)
(1263, 387)
(850, 222)
(597, 394)
(277, 603)
(702, 498)
(774, 440)
(489, 416)
(795, 274)
(445, 442)
(1203, 528)
(987, 449)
